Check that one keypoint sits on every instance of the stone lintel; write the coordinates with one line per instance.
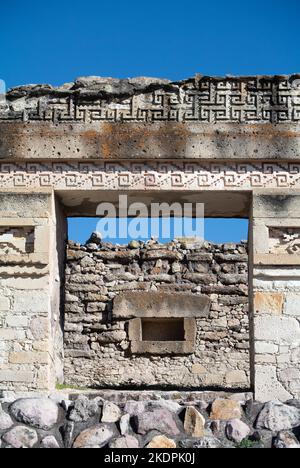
(135, 141)
(160, 304)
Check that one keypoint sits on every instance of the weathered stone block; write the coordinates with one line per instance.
(8, 334)
(160, 304)
(9, 375)
(230, 279)
(4, 304)
(162, 254)
(267, 386)
(236, 377)
(200, 278)
(280, 330)
(24, 205)
(276, 205)
(268, 303)
(29, 357)
(114, 336)
(40, 328)
(194, 423)
(225, 410)
(289, 374)
(263, 347)
(292, 306)
(31, 301)
(18, 321)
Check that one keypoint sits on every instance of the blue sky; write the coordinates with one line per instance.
(54, 42)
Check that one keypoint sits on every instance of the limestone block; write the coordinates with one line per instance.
(125, 424)
(276, 205)
(220, 323)
(260, 238)
(198, 369)
(16, 376)
(4, 303)
(263, 347)
(44, 346)
(265, 359)
(42, 239)
(280, 330)
(289, 374)
(292, 306)
(236, 377)
(267, 386)
(40, 328)
(7, 334)
(268, 303)
(30, 283)
(29, 357)
(31, 301)
(225, 410)
(17, 321)
(45, 378)
(83, 409)
(283, 359)
(264, 284)
(25, 205)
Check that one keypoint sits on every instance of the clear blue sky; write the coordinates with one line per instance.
(54, 42)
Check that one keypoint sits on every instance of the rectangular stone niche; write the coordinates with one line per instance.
(161, 323)
(162, 329)
(162, 336)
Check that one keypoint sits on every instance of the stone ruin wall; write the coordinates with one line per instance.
(90, 140)
(98, 351)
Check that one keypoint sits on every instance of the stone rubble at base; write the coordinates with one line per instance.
(81, 422)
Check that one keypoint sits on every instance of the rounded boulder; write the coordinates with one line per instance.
(40, 413)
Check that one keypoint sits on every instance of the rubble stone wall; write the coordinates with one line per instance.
(98, 350)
